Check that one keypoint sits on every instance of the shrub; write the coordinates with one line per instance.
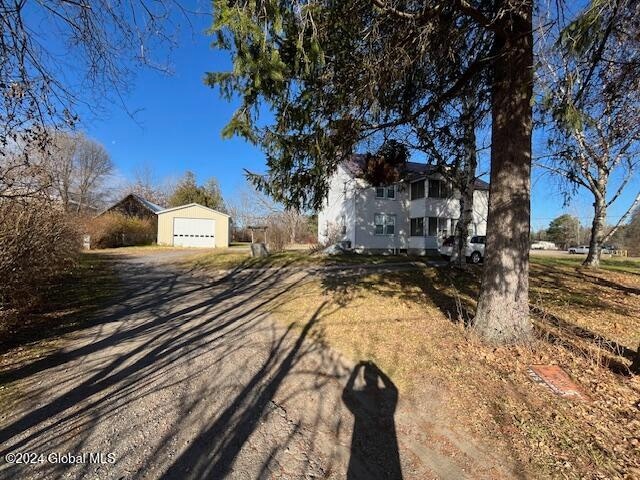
(277, 236)
(38, 244)
(118, 230)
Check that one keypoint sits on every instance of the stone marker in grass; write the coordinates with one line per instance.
(556, 379)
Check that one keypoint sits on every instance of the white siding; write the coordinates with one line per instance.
(355, 203)
(367, 206)
(339, 208)
(480, 211)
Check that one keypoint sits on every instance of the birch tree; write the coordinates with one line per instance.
(591, 94)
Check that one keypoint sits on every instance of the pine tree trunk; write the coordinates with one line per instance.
(597, 226)
(503, 306)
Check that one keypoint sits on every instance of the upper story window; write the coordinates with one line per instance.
(417, 190)
(438, 189)
(384, 224)
(386, 192)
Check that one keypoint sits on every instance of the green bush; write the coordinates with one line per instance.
(117, 230)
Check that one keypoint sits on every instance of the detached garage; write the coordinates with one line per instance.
(193, 225)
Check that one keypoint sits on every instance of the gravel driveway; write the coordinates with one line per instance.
(187, 377)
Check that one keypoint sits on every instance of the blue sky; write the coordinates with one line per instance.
(178, 120)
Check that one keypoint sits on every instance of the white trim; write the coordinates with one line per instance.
(191, 205)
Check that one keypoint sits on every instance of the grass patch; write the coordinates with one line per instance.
(133, 250)
(25, 336)
(65, 304)
(225, 259)
(613, 264)
(411, 325)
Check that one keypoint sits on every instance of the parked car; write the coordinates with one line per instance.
(446, 249)
(474, 251)
(578, 249)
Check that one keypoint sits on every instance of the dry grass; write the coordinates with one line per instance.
(411, 325)
(32, 335)
(224, 259)
(136, 250)
(82, 290)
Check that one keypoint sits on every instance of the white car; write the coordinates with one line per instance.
(579, 249)
(474, 251)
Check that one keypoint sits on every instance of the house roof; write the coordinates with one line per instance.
(413, 170)
(165, 210)
(152, 207)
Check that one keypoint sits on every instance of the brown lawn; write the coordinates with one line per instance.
(412, 325)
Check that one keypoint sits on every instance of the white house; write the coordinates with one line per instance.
(413, 215)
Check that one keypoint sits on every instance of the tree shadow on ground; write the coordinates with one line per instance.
(165, 323)
(453, 291)
(577, 287)
(65, 305)
(449, 289)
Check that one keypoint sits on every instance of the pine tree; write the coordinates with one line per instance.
(339, 74)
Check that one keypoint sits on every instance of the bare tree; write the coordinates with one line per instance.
(22, 172)
(147, 185)
(252, 207)
(60, 166)
(77, 167)
(452, 143)
(590, 88)
(104, 39)
(93, 165)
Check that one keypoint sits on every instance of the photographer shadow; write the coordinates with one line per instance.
(374, 443)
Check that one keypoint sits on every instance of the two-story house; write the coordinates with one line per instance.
(413, 215)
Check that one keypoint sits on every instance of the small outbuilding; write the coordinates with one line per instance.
(193, 225)
(134, 205)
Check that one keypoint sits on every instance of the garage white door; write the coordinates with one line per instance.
(194, 232)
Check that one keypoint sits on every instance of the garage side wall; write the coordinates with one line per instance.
(165, 224)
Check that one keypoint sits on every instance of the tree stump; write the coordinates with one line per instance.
(259, 250)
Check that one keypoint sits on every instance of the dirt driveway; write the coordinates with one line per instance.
(188, 377)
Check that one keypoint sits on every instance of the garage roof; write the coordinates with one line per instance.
(191, 205)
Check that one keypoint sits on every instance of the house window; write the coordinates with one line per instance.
(438, 189)
(417, 227)
(385, 224)
(438, 226)
(417, 190)
(391, 192)
(343, 222)
(386, 192)
(433, 226)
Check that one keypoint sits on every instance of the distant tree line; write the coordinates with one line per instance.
(567, 230)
